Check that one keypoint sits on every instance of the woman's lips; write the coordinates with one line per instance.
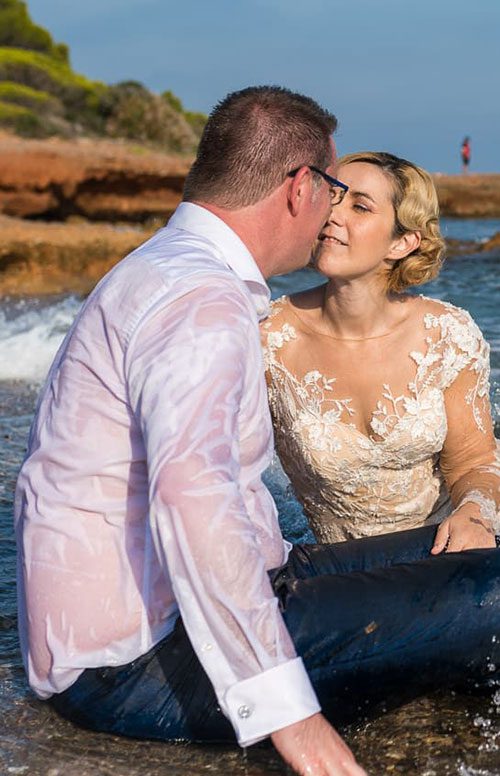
(331, 238)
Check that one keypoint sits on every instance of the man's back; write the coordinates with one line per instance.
(97, 591)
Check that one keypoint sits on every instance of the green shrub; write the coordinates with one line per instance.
(137, 114)
(196, 121)
(80, 96)
(41, 71)
(173, 101)
(18, 30)
(27, 97)
(41, 95)
(21, 120)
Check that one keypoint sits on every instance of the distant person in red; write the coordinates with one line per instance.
(465, 154)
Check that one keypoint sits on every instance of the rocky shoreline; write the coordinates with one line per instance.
(70, 210)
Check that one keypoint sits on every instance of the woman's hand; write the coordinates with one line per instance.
(463, 531)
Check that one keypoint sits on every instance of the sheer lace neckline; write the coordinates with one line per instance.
(308, 326)
(436, 367)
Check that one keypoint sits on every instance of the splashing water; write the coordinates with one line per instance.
(30, 334)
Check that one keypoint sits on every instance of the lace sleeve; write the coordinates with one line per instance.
(274, 334)
(470, 458)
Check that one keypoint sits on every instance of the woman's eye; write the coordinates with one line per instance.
(361, 208)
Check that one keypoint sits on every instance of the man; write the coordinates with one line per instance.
(140, 497)
(156, 596)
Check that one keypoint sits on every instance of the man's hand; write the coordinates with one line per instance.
(463, 531)
(313, 748)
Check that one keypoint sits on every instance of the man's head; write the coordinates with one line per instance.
(252, 140)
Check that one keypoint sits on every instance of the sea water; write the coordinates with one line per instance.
(435, 736)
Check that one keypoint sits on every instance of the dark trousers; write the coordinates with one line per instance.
(377, 622)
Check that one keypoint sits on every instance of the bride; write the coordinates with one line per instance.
(380, 398)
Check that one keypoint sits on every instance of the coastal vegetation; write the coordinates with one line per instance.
(42, 96)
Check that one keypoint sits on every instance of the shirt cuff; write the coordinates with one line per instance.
(269, 701)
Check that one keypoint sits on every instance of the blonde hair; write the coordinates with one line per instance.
(416, 209)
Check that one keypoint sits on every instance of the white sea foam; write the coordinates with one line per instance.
(30, 334)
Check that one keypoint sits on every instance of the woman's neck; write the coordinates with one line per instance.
(358, 311)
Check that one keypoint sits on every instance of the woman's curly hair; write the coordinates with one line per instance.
(416, 209)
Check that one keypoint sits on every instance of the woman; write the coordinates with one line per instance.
(379, 398)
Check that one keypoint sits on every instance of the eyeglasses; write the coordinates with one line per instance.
(338, 189)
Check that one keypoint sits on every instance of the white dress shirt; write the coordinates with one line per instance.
(141, 495)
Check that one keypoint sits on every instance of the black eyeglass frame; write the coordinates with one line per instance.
(340, 189)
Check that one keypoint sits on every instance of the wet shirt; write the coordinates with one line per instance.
(141, 498)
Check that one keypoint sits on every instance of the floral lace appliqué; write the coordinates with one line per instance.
(351, 484)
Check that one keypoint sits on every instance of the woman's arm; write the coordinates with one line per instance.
(470, 460)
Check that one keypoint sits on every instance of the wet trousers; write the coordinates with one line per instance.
(377, 621)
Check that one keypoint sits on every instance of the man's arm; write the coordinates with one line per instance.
(313, 748)
(187, 369)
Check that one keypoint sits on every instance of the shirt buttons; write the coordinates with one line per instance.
(206, 647)
(244, 712)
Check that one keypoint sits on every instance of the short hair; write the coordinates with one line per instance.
(416, 208)
(252, 140)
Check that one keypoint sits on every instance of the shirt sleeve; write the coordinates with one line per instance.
(188, 371)
(470, 457)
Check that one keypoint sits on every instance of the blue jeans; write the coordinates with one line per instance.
(377, 621)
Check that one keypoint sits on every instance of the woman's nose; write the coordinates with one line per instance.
(336, 213)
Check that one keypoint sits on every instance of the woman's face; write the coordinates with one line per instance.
(359, 237)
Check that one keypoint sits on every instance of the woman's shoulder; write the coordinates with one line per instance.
(451, 321)
(285, 311)
(284, 324)
(276, 329)
(455, 341)
(438, 307)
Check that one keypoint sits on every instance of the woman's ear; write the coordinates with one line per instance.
(404, 245)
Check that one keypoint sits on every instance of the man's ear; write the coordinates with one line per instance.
(299, 188)
(404, 245)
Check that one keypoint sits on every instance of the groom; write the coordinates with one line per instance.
(141, 515)
(148, 604)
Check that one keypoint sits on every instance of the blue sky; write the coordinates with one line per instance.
(408, 77)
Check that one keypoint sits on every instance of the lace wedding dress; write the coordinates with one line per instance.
(410, 468)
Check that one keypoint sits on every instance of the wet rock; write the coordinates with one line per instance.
(51, 258)
(469, 196)
(97, 179)
(493, 244)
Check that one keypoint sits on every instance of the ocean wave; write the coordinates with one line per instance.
(31, 331)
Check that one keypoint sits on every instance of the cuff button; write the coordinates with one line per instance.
(244, 712)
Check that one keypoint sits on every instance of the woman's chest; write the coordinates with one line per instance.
(322, 416)
(374, 388)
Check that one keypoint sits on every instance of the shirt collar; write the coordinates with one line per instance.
(231, 249)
